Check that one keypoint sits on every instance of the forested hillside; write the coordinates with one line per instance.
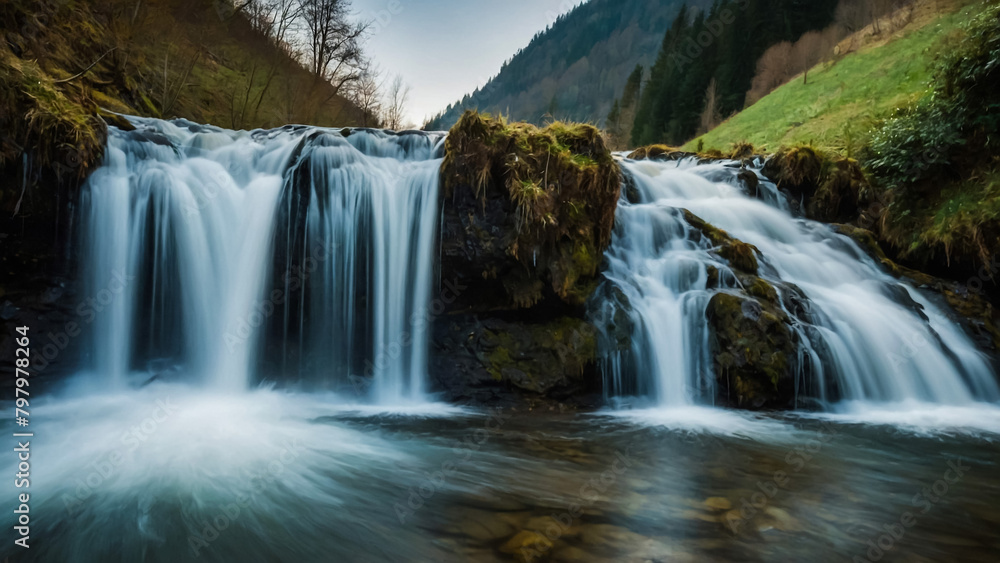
(577, 67)
(708, 61)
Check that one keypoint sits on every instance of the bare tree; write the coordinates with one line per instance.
(811, 49)
(772, 71)
(395, 103)
(260, 13)
(365, 94)
(710, 117)
(334, 42)
(286, 18)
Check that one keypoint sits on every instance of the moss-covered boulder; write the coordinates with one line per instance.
(529, 211)
(659, 152)
(739, 254)
(753, 344)
(796, 169)
(753, 348)
(827, 187)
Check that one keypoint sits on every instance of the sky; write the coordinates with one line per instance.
(444, 49)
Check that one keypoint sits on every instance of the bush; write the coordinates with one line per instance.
(956, 122)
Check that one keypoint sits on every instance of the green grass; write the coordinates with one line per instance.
(842, 100)
(960, 214)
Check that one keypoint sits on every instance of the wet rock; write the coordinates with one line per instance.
(659, 152)
(796, 170)
(608, 536)
(749, 180)
(116, 120)
(754, 351)
(740, 255)
(481, 525)
(777, 519)
(614, 318)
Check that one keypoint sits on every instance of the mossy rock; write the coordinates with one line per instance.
(659, 152)
(843, 194)
(753, 349)
(742, 150)
(741, 256)
(797, 168)
(535, 205)
(537, 357)
(828, 187)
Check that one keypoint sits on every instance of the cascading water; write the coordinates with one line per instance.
(871, 336)
(202, 242)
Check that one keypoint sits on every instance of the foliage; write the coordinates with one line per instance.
(960, 115)
(62, 131)
(164, 58)
(937, 156)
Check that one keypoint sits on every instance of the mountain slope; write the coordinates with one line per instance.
(575, 69)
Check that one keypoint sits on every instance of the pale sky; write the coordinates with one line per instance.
(444, 49)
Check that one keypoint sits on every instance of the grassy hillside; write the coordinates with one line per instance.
(164, 58)
(845, 98)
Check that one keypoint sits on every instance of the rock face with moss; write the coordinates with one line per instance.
(753, 344)
(527, 210)
(827, 187)
(526, 216)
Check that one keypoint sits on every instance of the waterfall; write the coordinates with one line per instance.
(305, 256)
(300, 255)
(868, 335)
